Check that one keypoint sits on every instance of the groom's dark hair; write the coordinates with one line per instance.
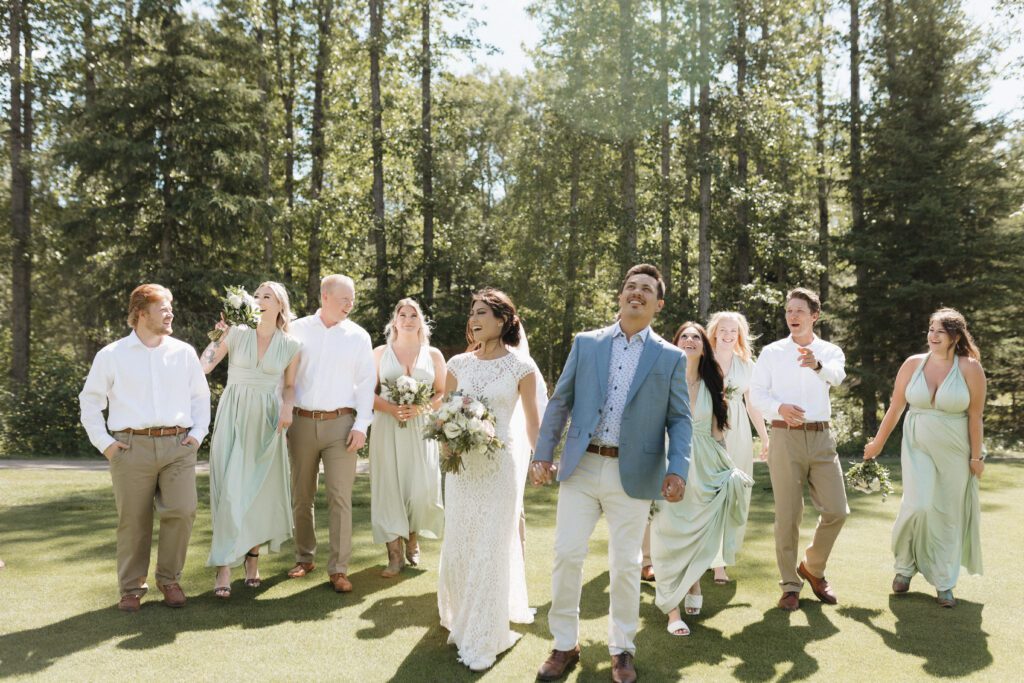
(645, 269)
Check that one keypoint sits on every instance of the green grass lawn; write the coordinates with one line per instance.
(57, 595)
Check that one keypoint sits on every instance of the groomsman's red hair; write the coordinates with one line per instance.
(141, 297)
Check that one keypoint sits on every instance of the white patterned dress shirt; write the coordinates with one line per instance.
(625, 357)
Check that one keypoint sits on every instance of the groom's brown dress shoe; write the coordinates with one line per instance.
(790, 601)
(341, 583)
(820, 586)
(558, 664)
(173, 595)
(129, 603)
(623, 670)
(300, 569)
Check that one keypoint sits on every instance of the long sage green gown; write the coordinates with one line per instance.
(938, 526)
(250, 495)
(405, 479)
(686, 536)
(739, 440)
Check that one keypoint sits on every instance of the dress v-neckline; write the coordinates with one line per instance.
(259, 358)
(415, 361)
(934, 394)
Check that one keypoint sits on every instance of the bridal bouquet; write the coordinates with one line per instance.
(239, 309)
(463, 426)
(868, 476)
(406, 391)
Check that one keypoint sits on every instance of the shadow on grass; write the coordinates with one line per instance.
(950, 641)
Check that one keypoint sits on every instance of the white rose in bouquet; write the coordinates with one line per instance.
(452, 429)
(475, 425)
(235, 301)
(875, 484)
(406, 383)
(476, 408)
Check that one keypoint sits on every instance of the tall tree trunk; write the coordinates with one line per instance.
(742, 155)
(572, 255)
(377, 143)
(865, 390)
(627, 127)
(822, 178)
(20, 151)
(666, 152)
(704, 155)
(426, 159)
(285, 81)
(168, 220)
(265, 215)
(317, 149)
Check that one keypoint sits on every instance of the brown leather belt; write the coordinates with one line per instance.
(606, 451)
(806, 426)
(324, 414)
(157, 431)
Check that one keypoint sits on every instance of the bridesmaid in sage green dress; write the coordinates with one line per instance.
(686, 537)
(942, 456)
(250, 500)
(405, 479)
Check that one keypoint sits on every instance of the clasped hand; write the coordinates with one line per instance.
(542, 472)
(673, 488)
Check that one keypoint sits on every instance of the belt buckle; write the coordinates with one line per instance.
(316, 413)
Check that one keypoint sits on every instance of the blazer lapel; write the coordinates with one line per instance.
(603, 360)
(652, 349)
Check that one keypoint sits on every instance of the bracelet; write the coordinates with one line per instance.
(977, 459)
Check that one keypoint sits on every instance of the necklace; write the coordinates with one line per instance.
(693, 384)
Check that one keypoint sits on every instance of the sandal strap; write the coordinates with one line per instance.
(678, 625)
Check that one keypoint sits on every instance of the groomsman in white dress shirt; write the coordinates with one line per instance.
(159, 413)
(334, 389)
(790, 385)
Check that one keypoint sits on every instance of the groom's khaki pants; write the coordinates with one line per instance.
(153, 473)
(795, 458)
(309, 442)
(595, 487)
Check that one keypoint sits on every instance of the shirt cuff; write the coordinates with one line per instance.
(198, 435)
(361, 424)
(103, 443)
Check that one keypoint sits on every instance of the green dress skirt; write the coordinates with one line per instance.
(250, 498)
(938, 526)
(405, 479)
(687, 536)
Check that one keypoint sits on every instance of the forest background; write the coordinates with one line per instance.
(743, 146)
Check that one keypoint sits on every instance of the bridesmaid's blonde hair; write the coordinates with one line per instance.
(286, 315)
(743, 339)
(391, 331)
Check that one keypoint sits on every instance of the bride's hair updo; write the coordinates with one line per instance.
(502, 307)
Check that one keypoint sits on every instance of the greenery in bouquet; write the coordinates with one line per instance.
(868, 476)
(239, 308)
(464, 426)
(406, 391)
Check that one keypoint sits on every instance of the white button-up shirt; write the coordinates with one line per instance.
(625, 357)
(778, 378)
(336, 368)
(144, 387)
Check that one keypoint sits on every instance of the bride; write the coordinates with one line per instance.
(482, 577)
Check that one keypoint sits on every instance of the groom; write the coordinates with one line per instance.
(624, 387)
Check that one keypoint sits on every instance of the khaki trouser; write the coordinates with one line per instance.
(154, 472)
(309, 442)
(797, 457)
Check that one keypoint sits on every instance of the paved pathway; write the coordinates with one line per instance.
(99, 465)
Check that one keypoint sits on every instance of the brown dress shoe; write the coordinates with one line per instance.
(300, 569)
(129, 603)
(820, 586)
(556, 666)
(623, 670)
(341, 583)
(173, 595)
(647, 573)
(790, 601)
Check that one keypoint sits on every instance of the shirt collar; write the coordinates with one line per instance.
(320, 322)
(133, 340)
(814, 340)
(617, 332)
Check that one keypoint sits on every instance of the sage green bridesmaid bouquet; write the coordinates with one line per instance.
(238, 308)
(406, 391)
(867, 476)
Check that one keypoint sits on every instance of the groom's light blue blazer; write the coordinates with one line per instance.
(657, 403)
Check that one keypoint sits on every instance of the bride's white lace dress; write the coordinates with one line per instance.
(482, 578)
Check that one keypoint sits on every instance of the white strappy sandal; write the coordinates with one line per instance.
(692, 604)
(678, 625)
